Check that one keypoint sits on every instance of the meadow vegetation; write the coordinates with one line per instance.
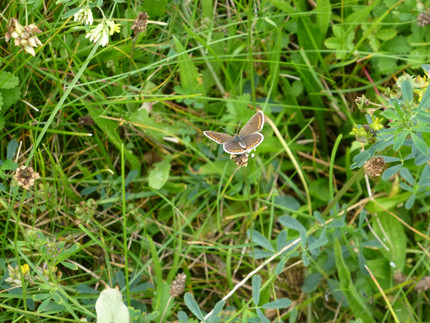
(108, 183)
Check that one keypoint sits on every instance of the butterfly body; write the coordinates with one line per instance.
(247, 139)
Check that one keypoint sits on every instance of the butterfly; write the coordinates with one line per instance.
(247, 139)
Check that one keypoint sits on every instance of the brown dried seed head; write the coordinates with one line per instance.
(423, 19)
(25, 177)
(399, 277)
(423, 284)
(139, 24)
(374, 166)
(178, 285)
(241, 159)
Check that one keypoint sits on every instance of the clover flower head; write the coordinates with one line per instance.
(14, 275)
(102, 31)
(84, 15)
(24, 36)
(25, 176)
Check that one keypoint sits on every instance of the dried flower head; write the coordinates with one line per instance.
(139, 24)
(423, 284)
(24, 37)
(25, 176)
(241, 159)
(86, 120)
(423, 19)
(374, 166)
(178, 285)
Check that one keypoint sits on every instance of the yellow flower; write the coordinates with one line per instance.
(376, 125)
(114, 28)
(25, 268)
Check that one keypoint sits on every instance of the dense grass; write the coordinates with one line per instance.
(131, 193)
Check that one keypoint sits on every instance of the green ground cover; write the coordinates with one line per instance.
(108, 183)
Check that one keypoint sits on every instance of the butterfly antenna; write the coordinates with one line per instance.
(227, 130)
(238, 127)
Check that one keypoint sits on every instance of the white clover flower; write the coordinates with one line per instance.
(102, 31)
(85, 15)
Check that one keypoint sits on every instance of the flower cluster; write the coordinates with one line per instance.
(14, 275)
(25, 177)
(178, 285)
(139, 24)
(85, 210)
(24, 36)
(374, 167)
(102, 31)
(241, 159)
(84, 15)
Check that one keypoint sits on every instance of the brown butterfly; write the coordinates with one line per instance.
(247, 139)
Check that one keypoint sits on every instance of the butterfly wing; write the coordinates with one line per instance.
(233, 147)
(254, 124)
(218, 137)
(251, 141)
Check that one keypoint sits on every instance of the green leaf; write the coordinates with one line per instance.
(373, 42)
(193, 306)
(8, 81)
(256, 285)
(260, 240)
(70, 13)
(110, 128)
(43, 306)
(385, 65)
(9, 97)
(355, 300)
(390, 114)
(41, 296)
(284, 6)
(69, 265)
(386, 34)
(291, 223)
(386, 203)
(190, 79)
(398, 45)
(215, 314)
(410, 202)
(323, 11)
(391, 171)
(420, 144)
(8, 164)
(407, 92)
(155, 8)
(278, 304)
(399, 140)
(270, 21)
(261, 316)
(395, 240)
(312, 282)
(425, 101)
(159, 175)
(407, 176)
(12, 147)
(156, 262)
